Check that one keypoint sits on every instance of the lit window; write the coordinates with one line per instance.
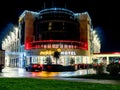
(49, 26)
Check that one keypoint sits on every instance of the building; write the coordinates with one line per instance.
(40, 34)
(11, 44)
(2, 59)
(108, 57)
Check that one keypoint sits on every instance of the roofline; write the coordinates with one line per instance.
(106, 53)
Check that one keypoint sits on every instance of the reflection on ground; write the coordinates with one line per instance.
(20, 72)
(45, 74)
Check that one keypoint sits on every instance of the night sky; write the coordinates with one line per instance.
(104, 15)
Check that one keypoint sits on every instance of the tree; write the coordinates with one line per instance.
(99, 66)
(72, 61)
(113, 68)
(56, 55)
(48, 60)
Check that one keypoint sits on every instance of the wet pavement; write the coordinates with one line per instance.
(22, 73)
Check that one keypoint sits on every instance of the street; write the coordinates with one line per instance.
(21, 72)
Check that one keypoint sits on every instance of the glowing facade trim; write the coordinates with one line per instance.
(58, 10)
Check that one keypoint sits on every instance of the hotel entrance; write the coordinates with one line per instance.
(62, 60)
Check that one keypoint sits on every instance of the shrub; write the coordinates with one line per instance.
(113, 68)
(100, 68)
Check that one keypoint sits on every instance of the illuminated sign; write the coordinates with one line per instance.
(68, 53)
(59, 50)
(47, 52)
(51, 52)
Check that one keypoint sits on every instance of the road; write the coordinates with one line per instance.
(21, 72)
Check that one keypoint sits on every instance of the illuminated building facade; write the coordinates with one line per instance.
(11, 44)
(42, 33)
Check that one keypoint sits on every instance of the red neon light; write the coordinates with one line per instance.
(38, 44)
(86, 45)
(27, 46)
(69, 41)
(116, 52)
(108, 53)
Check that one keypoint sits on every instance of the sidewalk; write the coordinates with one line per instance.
(90, 80)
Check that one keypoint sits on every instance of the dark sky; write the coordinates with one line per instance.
(104, 15)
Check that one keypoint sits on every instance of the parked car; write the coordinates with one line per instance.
(53, 67)
(34, 67)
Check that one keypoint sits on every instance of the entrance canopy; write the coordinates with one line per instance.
(108, 57)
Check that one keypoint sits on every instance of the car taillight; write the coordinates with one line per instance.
(41, 65)
(34, 66)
